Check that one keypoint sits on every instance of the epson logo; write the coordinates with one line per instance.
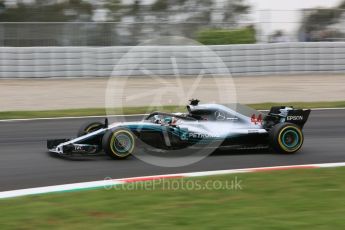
(294, 118)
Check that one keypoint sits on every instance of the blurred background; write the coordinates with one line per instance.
(87, 39)
(129, 22)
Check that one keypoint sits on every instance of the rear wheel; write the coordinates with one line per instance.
(89, 127)
(286, 138)
(118, 143)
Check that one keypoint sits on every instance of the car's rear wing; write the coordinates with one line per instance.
(298, 116)
(289, 114)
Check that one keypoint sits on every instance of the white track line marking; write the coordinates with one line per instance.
(111, 182)
(130, 115)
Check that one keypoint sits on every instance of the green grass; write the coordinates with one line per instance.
(303, 105)
(289, 199)
(85, 112)
(146, 109)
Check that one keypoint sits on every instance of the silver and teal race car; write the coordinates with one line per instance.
(214, 126)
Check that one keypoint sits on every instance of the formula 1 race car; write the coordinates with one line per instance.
(204, 125)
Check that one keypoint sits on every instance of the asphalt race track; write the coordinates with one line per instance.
(25, 163)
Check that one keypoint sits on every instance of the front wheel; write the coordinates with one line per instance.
(89, 127)
(118, 143)
(286, 138)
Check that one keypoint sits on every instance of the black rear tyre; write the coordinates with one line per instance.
(286, 138)
(89, 127)
(118, 143)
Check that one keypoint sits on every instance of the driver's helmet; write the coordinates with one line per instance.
(170, 121)
(167, 120)
(157, 119)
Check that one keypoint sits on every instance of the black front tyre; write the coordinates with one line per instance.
(286, 138)
(118, 143)
(89, 127)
